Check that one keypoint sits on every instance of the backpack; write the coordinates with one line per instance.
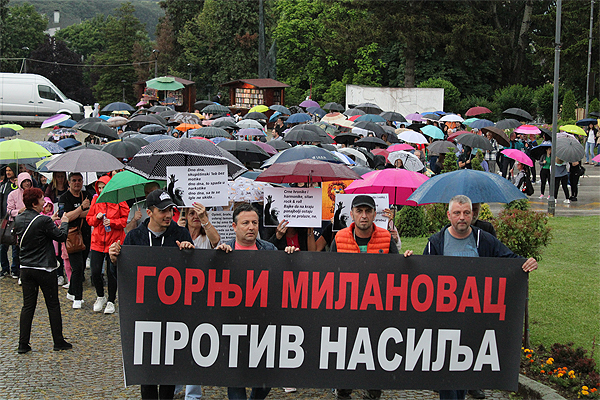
(528, 187)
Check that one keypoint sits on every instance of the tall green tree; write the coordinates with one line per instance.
(85, 38)
(22, 31)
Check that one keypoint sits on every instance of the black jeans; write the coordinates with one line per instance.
(96, 261)
(544, 177)
(564, 181)
(155, 392)
(239, 393)
(77, 275)
(574, 179)
(33, 280)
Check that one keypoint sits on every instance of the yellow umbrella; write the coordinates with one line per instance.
(259, 108)
(16, 127)
(574, 129)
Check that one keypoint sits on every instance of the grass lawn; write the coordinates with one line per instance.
(564, 292)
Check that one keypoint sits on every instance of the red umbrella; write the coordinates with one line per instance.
(398, 147)
(477, 111)
(381, 152)
(399, 184)
(307, 170)
(518, 155)
(455, 134)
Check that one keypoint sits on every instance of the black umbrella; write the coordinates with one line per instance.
(518, 114)
(199, 105)
(121, 149)
(140, 120)
(151, 162)
(185, 118)
(371, 143)
(538, 151)
(431, 116)
(279, 145)
(595, 114)
(281, 109)
(324, 137)
(333, 107)
(209, 132)
(369, 108)
(347, 138)
(353, 111)
(87, 121)
(99, 129)
(370, 126)
(85, 146)
(246, 152)
(7, 132)
(153, 129)
(117, 106)
(158, 109)
(391, 134)
(137, 140)
(393, 116)
(497, 134)
(216, 109)
(86, 160)
(167, 114)
(255, 115)
(547, 133)
(302, 134)
(508, 123)
(416, 126)
(441, 147)
(225, 123)
(329, 147)
(474, 141)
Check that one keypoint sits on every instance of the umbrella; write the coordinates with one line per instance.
(353, 111)
(151, 162)
(84, 121)
(399, 184)
(306, 170)
(567, 149)
(518, 113)
(332, 106)
(209, 132)
(414, 117)
(117, 106)
(370, 126)
(55, 119)
(302, 135)
(346, 159)
(302, 152)
(474, 141)
(432, 131)
(479, 186)
(354, 154)
(244, 151)
(67, 124)
(104, 118)
(410, 162)
(412, 137)
(298, 118)
(186, 127)
(469, 121)
(392, 116)
(138, 140)
(255, 115)
(124, 186)
(457, 134)
(596, 159)
(280, 108)
(369, 108)
(498, 135)
(586, 122)
(250, 132)
(431, 116)
(140, 120)
(361, 169)
(477, 111)
(158, 109)
(121, 149)
(249, 123)
(527, 130)
(279, 145)
(153, 129)
(18, 149)
(381, 152)
(327, 128)
(216, 109)
(52, 147)
(370, 117)
(99, 129)
(7, 132)
(68, 143)
(185, 118)
(400, 146)
(156, 138)
(595, 114)
(261, 108)
(246, 190)
(15, 127)
(537, 152)
(324, 138)
(317, 111)
(573, 129)
(199, 105)
(309, 103)
(86, 160)
(508, 124)
(85, 146)
(441, 147)
(40, 166)
(346, 138)
(164, 83)
(518, 155)
(225, 123)
(371, 142)
(451, 118)
(270, 150)
(481, 123)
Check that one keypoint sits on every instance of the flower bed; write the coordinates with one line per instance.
(567, 370)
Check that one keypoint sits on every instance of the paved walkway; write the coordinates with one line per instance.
(93, 369)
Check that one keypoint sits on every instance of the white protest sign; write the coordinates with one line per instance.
(343, 205)
(223, 223)
(300, 206)
(206, 185)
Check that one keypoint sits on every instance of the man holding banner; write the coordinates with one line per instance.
(461, 239)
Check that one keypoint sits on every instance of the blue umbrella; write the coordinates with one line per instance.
(154, 138)
(301, 153)
(52, 147)
(67, 124)
(586, 122)
(218, 139)
(68, 143)
(298, 117)
(104, 117)
(370, 118)
(481, 123)
(540, 150)
(274, 116)
(317, 111)
(479, 186)
(117, 106)
(432, 131)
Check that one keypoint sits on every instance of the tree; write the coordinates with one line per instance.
(22, 31)
(569, 106)
(85, 38)
(515, 96)
(451, 93)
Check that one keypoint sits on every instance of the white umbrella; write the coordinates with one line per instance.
(333, 117)
(412, 137)
(451, 118)
(356, 155)
(409, 160)
(347, 160)
(249, 123)
(117, 121)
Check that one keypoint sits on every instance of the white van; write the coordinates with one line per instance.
(31, 98)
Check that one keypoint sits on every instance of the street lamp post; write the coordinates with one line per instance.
(190, 66)
(156, 53)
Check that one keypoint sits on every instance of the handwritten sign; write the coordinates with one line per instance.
(202, 184)
(343, 205)
(301, 207)
(222, 221)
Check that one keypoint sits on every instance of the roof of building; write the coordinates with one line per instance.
(259, 83)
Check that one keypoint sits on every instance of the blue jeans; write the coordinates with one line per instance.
(14, 268)
(240, 393)
(589, 151)
(193, 392)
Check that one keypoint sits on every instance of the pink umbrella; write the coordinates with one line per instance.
(55, 119)
(596, 159)
(381, 152)
(528, 130)
(399, 184)
(307, 170)
(398, 147)
(477, 111)
(414, 117)
(518, 155)
(266, 147)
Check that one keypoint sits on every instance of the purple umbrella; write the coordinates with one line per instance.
(414, 117)
(309, 103)
(55, 119)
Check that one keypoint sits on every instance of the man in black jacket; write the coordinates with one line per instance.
(6, 186)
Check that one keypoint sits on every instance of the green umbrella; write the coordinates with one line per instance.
(164, 83)
(123, 186)
(21, 150)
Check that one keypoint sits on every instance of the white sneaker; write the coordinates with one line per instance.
(289, 390)
(548, 197)
(66, 285)
(20, 284)
(566, 201)
(99, 304)
(541, 196)
(61, 280)
(110, 308)
(77, 303)
(70, 297)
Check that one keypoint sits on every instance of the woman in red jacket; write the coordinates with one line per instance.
(109, 221)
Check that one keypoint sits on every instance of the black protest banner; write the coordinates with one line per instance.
(321, 320)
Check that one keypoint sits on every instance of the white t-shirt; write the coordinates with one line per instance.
(591, 136)
(202, 242)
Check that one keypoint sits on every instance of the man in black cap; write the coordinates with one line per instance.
(158, 230)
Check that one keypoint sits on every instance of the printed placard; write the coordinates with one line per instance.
(222, 221)
(203, 184)
(300, 206)
(343, 205)
(330, 190)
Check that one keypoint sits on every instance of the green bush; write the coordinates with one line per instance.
(476, 162)
(594, 105)
(522, 204)
(410, 222)
(435, 216)
(569, 106)
(485, 213)
(518, 96)
(524, 232)
(450, 163)
(336, 93)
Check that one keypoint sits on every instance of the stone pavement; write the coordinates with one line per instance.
(93, 369)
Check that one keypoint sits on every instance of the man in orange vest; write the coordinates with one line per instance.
(363, 236)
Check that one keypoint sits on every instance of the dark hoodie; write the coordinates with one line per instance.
(6, 186)
(140, 236)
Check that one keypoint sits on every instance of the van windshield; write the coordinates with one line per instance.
(46, 92)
